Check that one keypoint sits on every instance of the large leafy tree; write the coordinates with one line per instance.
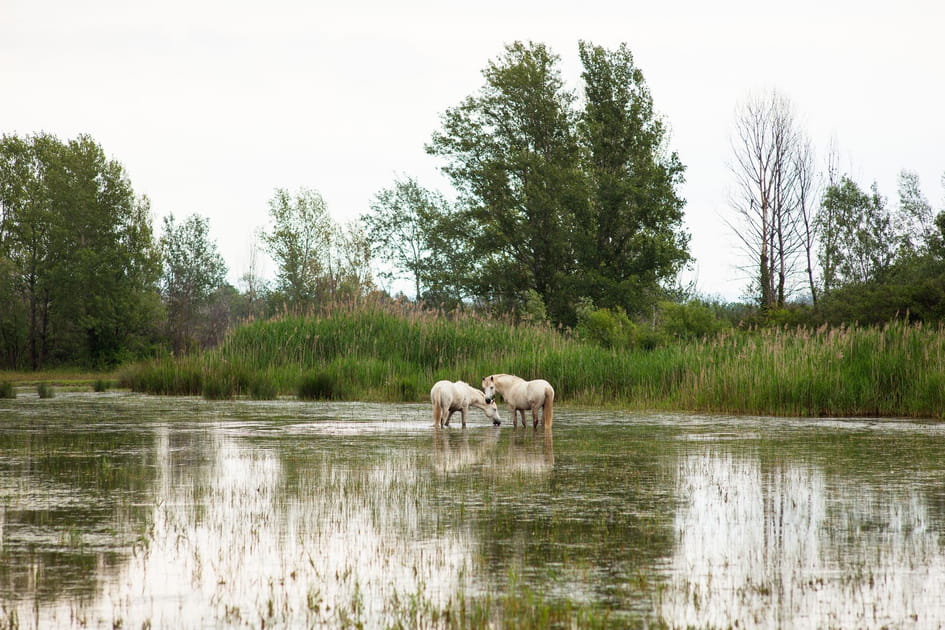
(401, 229)
(513, 155)
(193, 272)
(858, 241)
(632, 237)
(560, 202)
(78, 256)
(299, 241)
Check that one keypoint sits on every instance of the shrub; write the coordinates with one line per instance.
(606, 327)
(407, 390)
(219, 387)
(317, 386)
(45, 390)
(7, 390)
(262, 387)
(692, 320)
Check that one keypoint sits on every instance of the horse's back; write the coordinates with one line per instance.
(540, 389)
(441, 390)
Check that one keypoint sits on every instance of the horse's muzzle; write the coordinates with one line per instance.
(488, 401)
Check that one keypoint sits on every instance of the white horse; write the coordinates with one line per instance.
(448, 398)
(521, 395)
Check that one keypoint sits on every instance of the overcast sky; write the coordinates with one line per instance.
(210, 106)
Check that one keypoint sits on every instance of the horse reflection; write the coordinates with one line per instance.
(529, 454)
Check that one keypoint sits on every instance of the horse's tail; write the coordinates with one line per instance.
(548, 413)
(435, 399)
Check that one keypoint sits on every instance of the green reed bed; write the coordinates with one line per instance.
(894, 370)
(381, 353)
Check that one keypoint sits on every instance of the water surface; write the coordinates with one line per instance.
(120, 510)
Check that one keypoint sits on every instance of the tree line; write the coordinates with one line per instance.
(819, 244)
(566, 209)
(85, 281)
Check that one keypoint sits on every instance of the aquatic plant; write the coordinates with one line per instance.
(391, 354)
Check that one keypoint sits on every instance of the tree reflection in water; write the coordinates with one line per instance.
(784, 546)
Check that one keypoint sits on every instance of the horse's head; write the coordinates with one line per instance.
(492, 412)
(488, 388)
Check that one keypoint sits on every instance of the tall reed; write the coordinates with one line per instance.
(382, 353)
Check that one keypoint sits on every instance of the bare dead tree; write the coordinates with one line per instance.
(808, 194)
(827, 223)
(767, 196)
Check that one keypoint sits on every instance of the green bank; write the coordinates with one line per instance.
(389, 354)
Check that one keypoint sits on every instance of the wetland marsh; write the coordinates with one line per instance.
(125, 510)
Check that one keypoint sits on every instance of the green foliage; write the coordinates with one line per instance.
(299, 241)
(261, 386)
(7, 390)
(78, 263)
(101, 385)
(167, 376)
(382, 353)
(408, 389)
(630, 240)
(219, 385)
(193, 270)
(534, 309)
(45, 390)
(605, 327)
(689, 321)
(858, 242)
(563, 202)
(317, 386)
(402, 227)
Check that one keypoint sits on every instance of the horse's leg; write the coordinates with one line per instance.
(464, 417)
(535, 417)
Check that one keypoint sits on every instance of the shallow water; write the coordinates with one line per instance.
(134, 511)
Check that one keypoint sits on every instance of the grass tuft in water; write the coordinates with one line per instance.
(262, 387)
(45, 390)
(101, 385)
(317, 386)
(7, 390)
(219, 387)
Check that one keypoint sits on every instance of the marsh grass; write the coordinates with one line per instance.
(7, 390)
(317, 386)
(45, 390)
(261, 386)
(101, 385)
(388, 353)
(522, 607)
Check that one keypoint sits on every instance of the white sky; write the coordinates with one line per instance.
(211, 105)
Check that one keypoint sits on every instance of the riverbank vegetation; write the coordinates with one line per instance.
(559, 256)
(393, 353)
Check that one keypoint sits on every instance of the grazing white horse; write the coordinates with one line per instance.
(521, 395)
(448, 397)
